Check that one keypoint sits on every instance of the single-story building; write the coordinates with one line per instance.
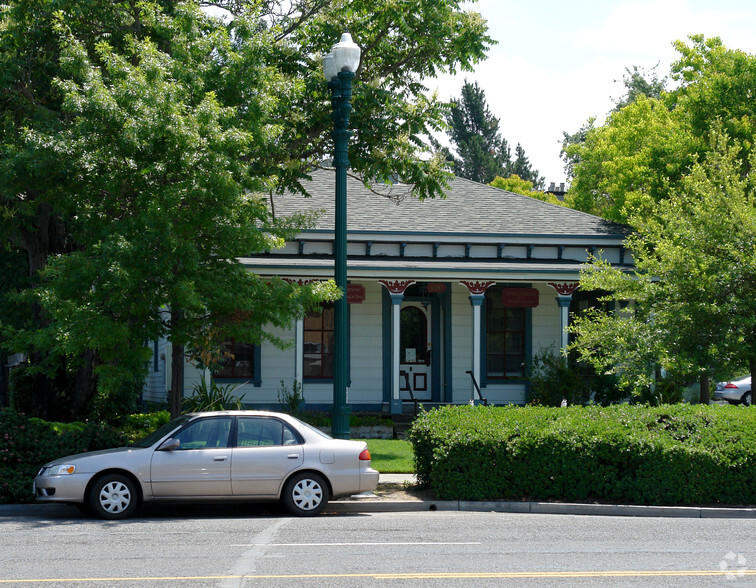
(442, 293)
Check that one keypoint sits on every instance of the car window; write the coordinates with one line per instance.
(205, 434)
(264, 432)
(155, 436)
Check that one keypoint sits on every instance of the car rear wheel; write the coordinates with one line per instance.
(113, 496)
(746, 400)
(305, 494)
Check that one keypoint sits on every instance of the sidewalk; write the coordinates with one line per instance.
(392, 498)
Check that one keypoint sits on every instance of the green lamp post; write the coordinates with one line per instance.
(339, 67)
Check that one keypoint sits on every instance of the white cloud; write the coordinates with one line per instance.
(559, 63)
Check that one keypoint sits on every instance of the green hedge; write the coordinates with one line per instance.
(28, 443)
(675, 454)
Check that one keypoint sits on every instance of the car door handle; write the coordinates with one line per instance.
(293, 456)
(220, 458)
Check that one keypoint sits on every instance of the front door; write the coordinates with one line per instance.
(415, 351)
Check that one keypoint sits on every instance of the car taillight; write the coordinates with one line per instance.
(730, 385)
(365, 455)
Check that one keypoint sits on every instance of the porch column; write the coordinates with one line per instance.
(564, 299)
(299, 358)
(396, 290)
(477, 295)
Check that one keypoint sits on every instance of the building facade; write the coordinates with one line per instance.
(446, 296)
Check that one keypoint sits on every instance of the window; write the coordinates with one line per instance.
(318, 344)
(505, 338)
(239, 362)
(413, 338)
(264, 432)
(205, 433)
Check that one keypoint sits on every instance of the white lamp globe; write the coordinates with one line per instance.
(346, 54)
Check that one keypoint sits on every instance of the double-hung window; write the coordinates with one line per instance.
(505, 337)
(238, 362)
(318, 349)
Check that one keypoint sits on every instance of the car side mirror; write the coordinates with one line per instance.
(169, 445)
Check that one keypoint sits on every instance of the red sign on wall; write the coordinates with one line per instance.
(436, 288)
(355, 293)
(519, 297)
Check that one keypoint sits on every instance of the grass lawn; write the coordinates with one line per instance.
(391, 456)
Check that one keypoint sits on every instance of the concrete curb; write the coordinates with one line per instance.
(624, 510)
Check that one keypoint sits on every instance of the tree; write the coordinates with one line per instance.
(525, 187)
(138, 144)
(481, 152)
(639, 82)
(645, 148)
(522, 168)
(693, 287)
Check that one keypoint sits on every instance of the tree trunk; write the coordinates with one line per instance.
(704, 392)
(84, 385)
(176, 393)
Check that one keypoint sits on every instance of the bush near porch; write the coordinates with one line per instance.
(666, 455)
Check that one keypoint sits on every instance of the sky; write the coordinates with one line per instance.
(557, 63)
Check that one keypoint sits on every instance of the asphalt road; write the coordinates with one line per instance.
(255, 546)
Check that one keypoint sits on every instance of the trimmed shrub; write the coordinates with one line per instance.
(28, 443)
(676, 454)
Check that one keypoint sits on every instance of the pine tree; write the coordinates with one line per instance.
(482, 153)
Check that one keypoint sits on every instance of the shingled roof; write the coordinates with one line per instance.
(469, 208)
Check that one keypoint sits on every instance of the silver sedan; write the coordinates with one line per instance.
(735, 392)
(214, 456)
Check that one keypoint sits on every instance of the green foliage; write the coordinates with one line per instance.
(693, 286)
(28, 443)
(653, 139)
(632, 454)
(554, 378)
(481, 152)
(137, 149)
(212, 397)
(291, 400)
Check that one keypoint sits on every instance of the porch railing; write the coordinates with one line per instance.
(477, 388)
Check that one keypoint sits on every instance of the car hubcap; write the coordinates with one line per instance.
(307, 494)
(115, 497)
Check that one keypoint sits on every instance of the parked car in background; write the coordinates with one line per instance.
(214, 456)
(735, 392)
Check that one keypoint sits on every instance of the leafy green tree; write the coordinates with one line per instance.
(139, 142)
(640, 82)
(481, 152)
(693, 286)
(525, 187)
(570, 156)
(645, 148)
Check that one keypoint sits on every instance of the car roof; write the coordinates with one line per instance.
(240, 413)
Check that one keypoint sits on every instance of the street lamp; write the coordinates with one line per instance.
(339, 67)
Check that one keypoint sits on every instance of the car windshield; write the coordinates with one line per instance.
(155, 436)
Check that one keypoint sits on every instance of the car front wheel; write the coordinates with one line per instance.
(746, 400)
(113, 496)
(305, 494)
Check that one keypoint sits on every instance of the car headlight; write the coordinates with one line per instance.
(62, 470)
